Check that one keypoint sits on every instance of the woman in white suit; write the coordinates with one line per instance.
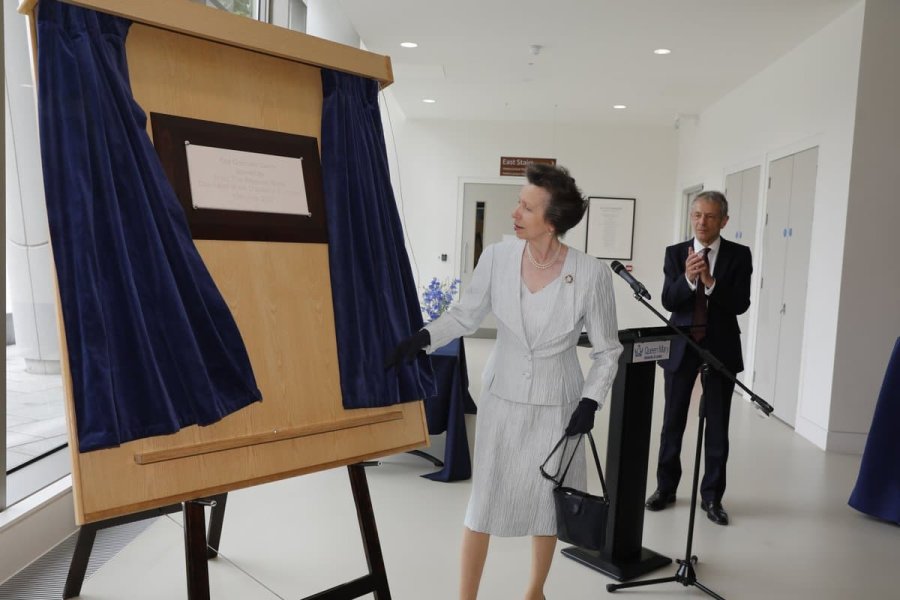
(543, 295)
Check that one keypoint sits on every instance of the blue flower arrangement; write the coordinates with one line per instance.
(437, 297)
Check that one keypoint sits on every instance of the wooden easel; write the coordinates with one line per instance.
(187, 60)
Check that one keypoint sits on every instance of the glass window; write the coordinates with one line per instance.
(297, 15)
(290, 14)
(246, 8)
(33, 406)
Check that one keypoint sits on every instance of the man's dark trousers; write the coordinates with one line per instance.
(679, 385)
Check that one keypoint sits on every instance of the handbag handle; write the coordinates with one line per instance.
(565, 439)
(597, 462)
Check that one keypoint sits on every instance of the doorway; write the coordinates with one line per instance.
(687, 198)
(486, 220)
(742, 193)
(787, 229)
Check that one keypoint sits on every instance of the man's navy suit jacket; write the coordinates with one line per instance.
(730, 298)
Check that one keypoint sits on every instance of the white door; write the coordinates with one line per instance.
(734, 186)
(487, 217)
(768, 328)
(749, 205)
(784, 275)
(742, 192)
(796, 271)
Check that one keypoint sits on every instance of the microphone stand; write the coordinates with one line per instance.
(685, 575)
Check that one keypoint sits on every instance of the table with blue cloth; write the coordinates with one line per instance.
(877, 490)
(447, 410)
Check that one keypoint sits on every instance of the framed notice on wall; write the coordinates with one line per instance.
(610, 227)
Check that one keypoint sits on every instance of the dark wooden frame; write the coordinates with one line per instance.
(170, 133)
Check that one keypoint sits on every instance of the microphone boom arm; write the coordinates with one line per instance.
(709, 358)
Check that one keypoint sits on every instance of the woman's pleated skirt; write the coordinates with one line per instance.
(510, 497)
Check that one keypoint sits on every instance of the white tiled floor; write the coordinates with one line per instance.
(792, 534)
(35, 413)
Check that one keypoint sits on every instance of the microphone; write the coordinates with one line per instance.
(636, 285)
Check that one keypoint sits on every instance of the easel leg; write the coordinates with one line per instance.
(366, 515)
(376, 581)
(87, 535)
(195, 551)
(216, 518)
(80, 558)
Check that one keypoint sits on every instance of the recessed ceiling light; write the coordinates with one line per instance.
(662, 51)
(429, 100)
(619, 106)
(409, 44)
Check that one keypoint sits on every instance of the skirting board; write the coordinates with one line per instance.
(811, 431)
(842, 442)
(34, 526)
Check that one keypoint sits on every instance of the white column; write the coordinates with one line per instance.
(31, 287)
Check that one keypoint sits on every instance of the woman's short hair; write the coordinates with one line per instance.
(716, 198)
(566, 205)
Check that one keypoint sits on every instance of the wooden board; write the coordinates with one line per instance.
(279, 293)
(214, 25)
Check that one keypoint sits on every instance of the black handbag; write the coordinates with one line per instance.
(580, 517)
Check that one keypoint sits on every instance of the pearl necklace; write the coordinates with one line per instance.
(545, 265)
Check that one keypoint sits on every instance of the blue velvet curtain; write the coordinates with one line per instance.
(375, 299)
(877, 489)
(152, 345)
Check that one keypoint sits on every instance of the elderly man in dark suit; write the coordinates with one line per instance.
(707, 286)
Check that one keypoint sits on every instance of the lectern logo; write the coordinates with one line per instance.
(650, 351)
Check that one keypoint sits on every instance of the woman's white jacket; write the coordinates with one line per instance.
(547, 371)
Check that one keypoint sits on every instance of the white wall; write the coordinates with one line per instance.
(869, 319)
(806, 98)
(326, 19)
(605, 161)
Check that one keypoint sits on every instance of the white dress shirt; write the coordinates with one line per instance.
(711, 257)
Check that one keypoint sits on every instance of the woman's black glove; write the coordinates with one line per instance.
(408, 348)
(582, 420)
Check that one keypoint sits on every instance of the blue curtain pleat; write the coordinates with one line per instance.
(375, 298)
(152, 344)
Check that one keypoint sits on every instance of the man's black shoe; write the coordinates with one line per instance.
(659, 500)
(715, 512)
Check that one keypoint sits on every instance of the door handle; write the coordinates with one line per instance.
(466, 258)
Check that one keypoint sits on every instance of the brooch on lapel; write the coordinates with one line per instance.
(568, 279)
